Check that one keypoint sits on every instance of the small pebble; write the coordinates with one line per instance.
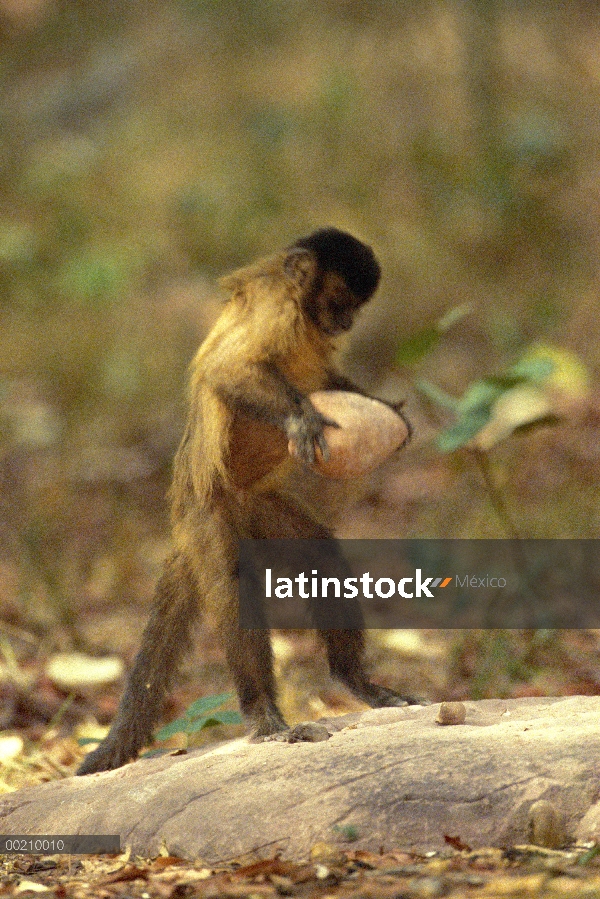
(451, 713)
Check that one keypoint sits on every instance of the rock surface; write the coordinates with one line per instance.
(393, 775)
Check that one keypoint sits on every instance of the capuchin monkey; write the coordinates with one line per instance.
(271, 347)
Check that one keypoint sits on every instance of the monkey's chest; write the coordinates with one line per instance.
(255, 449)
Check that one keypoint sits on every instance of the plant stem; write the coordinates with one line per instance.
(495, 494)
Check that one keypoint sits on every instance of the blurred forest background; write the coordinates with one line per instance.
(147, 148)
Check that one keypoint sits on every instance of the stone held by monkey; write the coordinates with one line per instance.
(251, 378)
(368, 432)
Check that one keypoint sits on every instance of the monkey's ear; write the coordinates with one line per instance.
(300, 264)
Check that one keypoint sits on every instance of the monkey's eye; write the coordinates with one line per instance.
(341, 318)
(345, 307)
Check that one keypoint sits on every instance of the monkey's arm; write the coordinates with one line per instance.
(262, 391)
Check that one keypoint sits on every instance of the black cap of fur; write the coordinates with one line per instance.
(340, 252)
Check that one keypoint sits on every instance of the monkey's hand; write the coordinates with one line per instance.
(305, 429)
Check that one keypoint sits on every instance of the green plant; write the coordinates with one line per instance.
(199, 715)
(348, 832)
(534, 390)
(545, 382)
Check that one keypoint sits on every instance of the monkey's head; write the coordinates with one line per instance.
(336, 273)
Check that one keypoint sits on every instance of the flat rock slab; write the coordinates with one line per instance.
(393, 775)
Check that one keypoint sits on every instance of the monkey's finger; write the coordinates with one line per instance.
(322, 444)
(306, 449)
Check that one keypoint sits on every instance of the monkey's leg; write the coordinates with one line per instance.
(166, 639)
(248, 651)
(275, 516)
(345, 651)
(250, 659)
(340, 625)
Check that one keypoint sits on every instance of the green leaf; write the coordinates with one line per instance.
(463, 431)
(226, 717)
(414, 348)
(568, 374)
(478, 405)
(207, 704)
(480, 397)
(438, 396)
(422, 342)
(196, 717)
(532, 369)
(475, 410)
(179, 726)
(229, 716)
(199, 724)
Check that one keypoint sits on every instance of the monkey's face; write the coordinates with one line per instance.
(330, 305)
(336, 274)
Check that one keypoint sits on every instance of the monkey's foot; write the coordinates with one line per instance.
(379, 697)
(305, 732)
(266, 722)
(383, 697)
(110, 754)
